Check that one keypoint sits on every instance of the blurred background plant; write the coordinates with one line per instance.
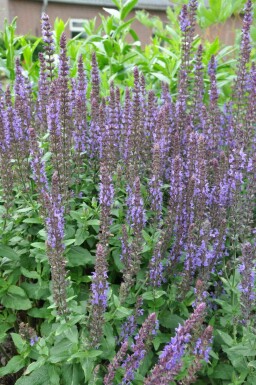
(119, 50)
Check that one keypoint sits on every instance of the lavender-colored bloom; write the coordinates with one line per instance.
(129, 327)
(47, 35)
(99, 289)
(139, 348)
(136, 213)
(184, 19)
(63, 59)
(55, 247)
(169, 363)
(106, 199)
(38, 168)
(156, 268)
(115, 364)
(33, 341)
(155, 183)
(201, 353)
(247, 284)
(136, 218)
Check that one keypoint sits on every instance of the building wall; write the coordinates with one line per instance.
(29, 13)
(4, 12)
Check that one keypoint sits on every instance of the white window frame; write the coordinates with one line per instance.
(78, 29)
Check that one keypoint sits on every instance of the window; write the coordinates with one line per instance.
(76, 26)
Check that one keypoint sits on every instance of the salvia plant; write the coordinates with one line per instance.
(128, 223)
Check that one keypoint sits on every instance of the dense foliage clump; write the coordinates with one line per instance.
(128, 223)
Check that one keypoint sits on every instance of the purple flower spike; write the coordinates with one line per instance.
(99, 289)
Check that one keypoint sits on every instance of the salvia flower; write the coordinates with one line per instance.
(184, 19)
(156, 267)
(99, 290)
(201, 353)
(115, 364)
(55, 245)
(170, 360)
(129, 327)
(247, 284)
(139, 348)
(47, 35)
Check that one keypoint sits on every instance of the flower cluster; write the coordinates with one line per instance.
(170, 360)
(99, 289)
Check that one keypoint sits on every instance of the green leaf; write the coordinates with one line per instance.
(39, 245)
(81, 235)
(72, 334)
(39, 376)
(33, 220)
(18, 341)
(113, 12)
(72, 375)
(93, 222)
(24, 210)
(8, 252)
(61, 351)
(16, 298)
(88, 366)
(122, 312)
(243, 350)
(252, 364)
(151, 295)
(69, 242)
(161, 77)
(225, 338)
(223, 372)
(34, 365)
(77, 256)
(13, 366)
(170, 321)
(29, 274)
(77, 216)
(39, 313)
(127, 7)
(86, 354)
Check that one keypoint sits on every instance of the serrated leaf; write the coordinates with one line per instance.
(81, 235)
(61, 351)
(69, 242)
(13, 366)
(16, 298)
(8, 252)
(78, 256)
(223, 372)
(18, 341)
(38, 245)
(33, 220)
(29, 274)
(151, 295)
(225, 338)
(39, 376)
(34, 365)
(87, 366)
(170, 321)
(93, 222)
(86, 354)
(122, 312)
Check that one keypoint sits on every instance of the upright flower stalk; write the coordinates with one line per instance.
(139, 348)
(170, 360)
(136, 217)
(99, 291)
(55, 246)
(247, 285)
